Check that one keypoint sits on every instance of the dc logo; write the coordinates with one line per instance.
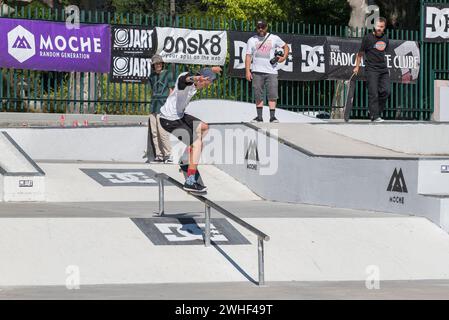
(239, 54)
(437, 23)
(410, 51)
(21, 44)
(127, 177)
(312, 59)
(177, 232)
(120, 66)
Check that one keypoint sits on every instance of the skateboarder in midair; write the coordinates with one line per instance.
(192, 130)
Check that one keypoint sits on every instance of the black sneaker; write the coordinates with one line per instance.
(257, 119)
(168, 159)
(274, 120)
(196, 187)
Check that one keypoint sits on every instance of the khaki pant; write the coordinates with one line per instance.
(160, 137)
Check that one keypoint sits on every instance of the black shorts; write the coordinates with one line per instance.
(183, 128)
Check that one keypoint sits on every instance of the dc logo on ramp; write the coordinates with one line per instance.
(174, 232)
(21, 45)
(312, 59)
(437, 23)
(397, 182)
(188, 231)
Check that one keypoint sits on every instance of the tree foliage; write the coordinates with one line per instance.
(246, 9)
(402, 14)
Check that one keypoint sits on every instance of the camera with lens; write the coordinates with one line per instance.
(277, 55)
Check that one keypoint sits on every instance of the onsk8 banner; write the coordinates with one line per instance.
(187, 46)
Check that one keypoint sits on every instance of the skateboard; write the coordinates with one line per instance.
(350, 97)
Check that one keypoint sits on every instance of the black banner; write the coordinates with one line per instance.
(132, 49)
(319, 58)
(436, 22)
(307, 55)
(403, 59)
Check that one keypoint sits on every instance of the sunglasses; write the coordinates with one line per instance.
(261, 27)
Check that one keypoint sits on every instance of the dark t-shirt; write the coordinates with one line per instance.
(374, 49)
(160, 87)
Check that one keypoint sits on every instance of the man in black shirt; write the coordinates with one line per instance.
(374, 46)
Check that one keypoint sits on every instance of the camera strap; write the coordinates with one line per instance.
(260, 46)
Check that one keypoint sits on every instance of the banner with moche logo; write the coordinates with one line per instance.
(53, 46)
(186, 46)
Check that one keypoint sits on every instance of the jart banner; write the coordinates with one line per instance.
(436, 22)
(187, 46)
(132, 49)
(52, 46)
(318, 58)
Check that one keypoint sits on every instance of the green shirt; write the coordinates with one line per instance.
(160, 86)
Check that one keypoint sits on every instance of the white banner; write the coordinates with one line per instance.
(187, 46)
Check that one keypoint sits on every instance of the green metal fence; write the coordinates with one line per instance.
(434, 56)
(28, 90)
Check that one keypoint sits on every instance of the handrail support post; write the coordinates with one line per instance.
(161, 195)
(260, 249)
(207, 226)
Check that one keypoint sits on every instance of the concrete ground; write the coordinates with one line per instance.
(348, 290)
(243, 209)
(416, 289)
(320, 142)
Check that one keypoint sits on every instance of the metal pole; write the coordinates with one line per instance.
(161, 196)
(173, 11)
(261, 262)
(207, 228)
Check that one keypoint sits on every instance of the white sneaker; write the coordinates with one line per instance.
(379, 120)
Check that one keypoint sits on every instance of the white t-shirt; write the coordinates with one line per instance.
(263, 54)
(177, 102)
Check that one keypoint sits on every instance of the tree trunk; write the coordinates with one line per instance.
(5, 10)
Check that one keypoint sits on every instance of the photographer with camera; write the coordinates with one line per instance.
(262, 57)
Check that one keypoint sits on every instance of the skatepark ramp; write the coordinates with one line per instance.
(21, 179)
(97, 225)
(304, 163)
(261, 237)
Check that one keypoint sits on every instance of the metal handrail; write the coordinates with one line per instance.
(261, 236)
